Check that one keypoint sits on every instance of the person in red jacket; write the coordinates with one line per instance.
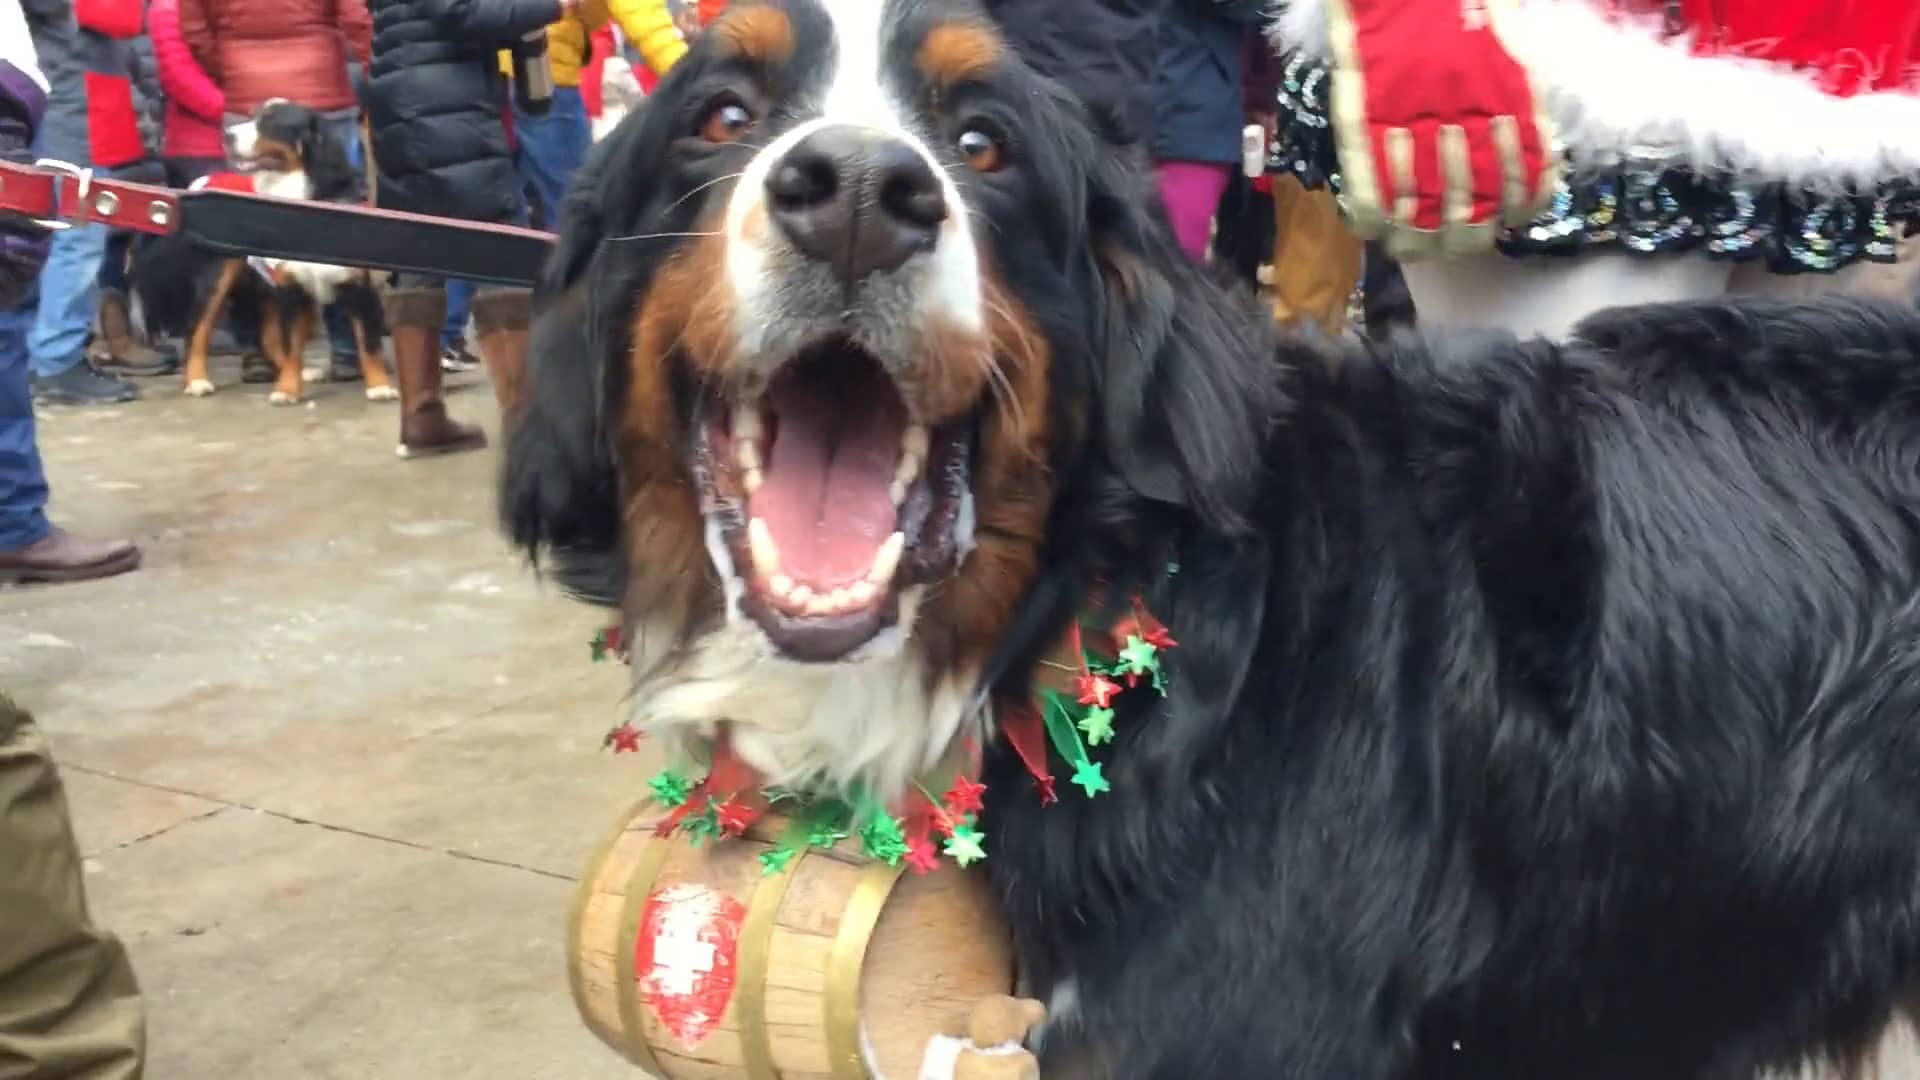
(192, 139)
(1663, 149)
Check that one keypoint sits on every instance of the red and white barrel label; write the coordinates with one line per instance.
(684, 958)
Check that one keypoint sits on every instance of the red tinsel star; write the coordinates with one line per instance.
(625, 739)
(1146, 627)
(963, 797)
(922, 856)
(735, 816)
(616, 639)
(1047, 795)
(1096, 690)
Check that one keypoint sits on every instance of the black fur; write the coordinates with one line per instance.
(1539, 710)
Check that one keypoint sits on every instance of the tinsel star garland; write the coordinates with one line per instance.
(729, 798)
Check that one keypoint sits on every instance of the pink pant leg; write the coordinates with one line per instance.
(1191, 191)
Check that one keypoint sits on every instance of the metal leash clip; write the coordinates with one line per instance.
(65, 217)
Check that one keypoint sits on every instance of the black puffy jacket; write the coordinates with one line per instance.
(1106, 51)
(434, 100)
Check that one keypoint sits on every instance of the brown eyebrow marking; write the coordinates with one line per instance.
(954, 52)
(761, 34)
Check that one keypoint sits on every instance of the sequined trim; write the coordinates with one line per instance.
(1644, 207)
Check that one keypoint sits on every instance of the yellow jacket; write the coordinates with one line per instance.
(646, 23)
(649, 25)
(567, 42)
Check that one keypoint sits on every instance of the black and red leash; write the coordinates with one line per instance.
(58, 195)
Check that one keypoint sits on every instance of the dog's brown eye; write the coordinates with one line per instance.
(726, 123)
(981, 150)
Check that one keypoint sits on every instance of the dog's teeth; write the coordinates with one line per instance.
(766, 557)
(799, 597)
(821, 605)
(840, 599)
(780, 585)
(747, 453)
(862, 594)
(914, 442)
(904, 475)
(751, 480)
(746, 423)
(887, 560)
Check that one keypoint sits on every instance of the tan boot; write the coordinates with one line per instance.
(500, 320)
(116, 351)
(413, 319)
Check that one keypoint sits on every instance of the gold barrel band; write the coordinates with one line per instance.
(584, 895)
(756, 958)
(844, 962)
(645, 870)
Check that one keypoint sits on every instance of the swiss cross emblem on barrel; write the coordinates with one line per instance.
(684, 958)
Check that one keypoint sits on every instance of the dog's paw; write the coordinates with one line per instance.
(281, 397)
(382, 393)
(198, 388)
(315, 374)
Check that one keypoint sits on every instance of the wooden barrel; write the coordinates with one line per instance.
(696, 965)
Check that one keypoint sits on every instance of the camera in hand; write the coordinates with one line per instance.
(532, 74)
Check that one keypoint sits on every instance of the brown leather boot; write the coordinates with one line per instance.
(413, 319)
(500, 319)
(116, 351)
(62, 556)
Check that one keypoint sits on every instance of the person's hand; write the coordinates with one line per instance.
(1441, 136)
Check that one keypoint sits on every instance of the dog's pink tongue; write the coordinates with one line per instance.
(824, 490)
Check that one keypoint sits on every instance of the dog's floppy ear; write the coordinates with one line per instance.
(1184, 376)
(559, 487)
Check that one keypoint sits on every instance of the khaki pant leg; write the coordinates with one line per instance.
(1316, 260)
(69, 1006)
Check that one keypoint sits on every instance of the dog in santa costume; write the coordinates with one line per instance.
(1567, 155)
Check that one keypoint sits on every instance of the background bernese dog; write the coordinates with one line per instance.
(289, 152)
(1539, 710)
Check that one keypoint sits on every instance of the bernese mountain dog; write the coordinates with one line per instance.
(284, 150)
(1539, 709)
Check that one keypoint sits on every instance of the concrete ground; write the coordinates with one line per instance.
(333, 754)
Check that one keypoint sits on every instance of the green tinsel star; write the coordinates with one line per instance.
(599, 646)
(883, 839)
(1097, 726)
(964, 846)
(1139, 657)
(669, 788)
(825, 834)
(1088, 775)
(774, 860)
(701, 826)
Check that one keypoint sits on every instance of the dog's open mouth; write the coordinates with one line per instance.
(831, 498)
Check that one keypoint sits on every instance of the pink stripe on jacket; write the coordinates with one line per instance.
(194, 102)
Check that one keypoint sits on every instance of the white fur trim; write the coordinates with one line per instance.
(1299, 26)
(1617, 88)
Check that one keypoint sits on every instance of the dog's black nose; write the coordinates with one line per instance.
(857, 199)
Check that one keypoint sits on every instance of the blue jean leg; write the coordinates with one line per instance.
(69, 295)
(459, 301)
(339, 327)
(23, 483)
(347, 130)
(552, 147)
